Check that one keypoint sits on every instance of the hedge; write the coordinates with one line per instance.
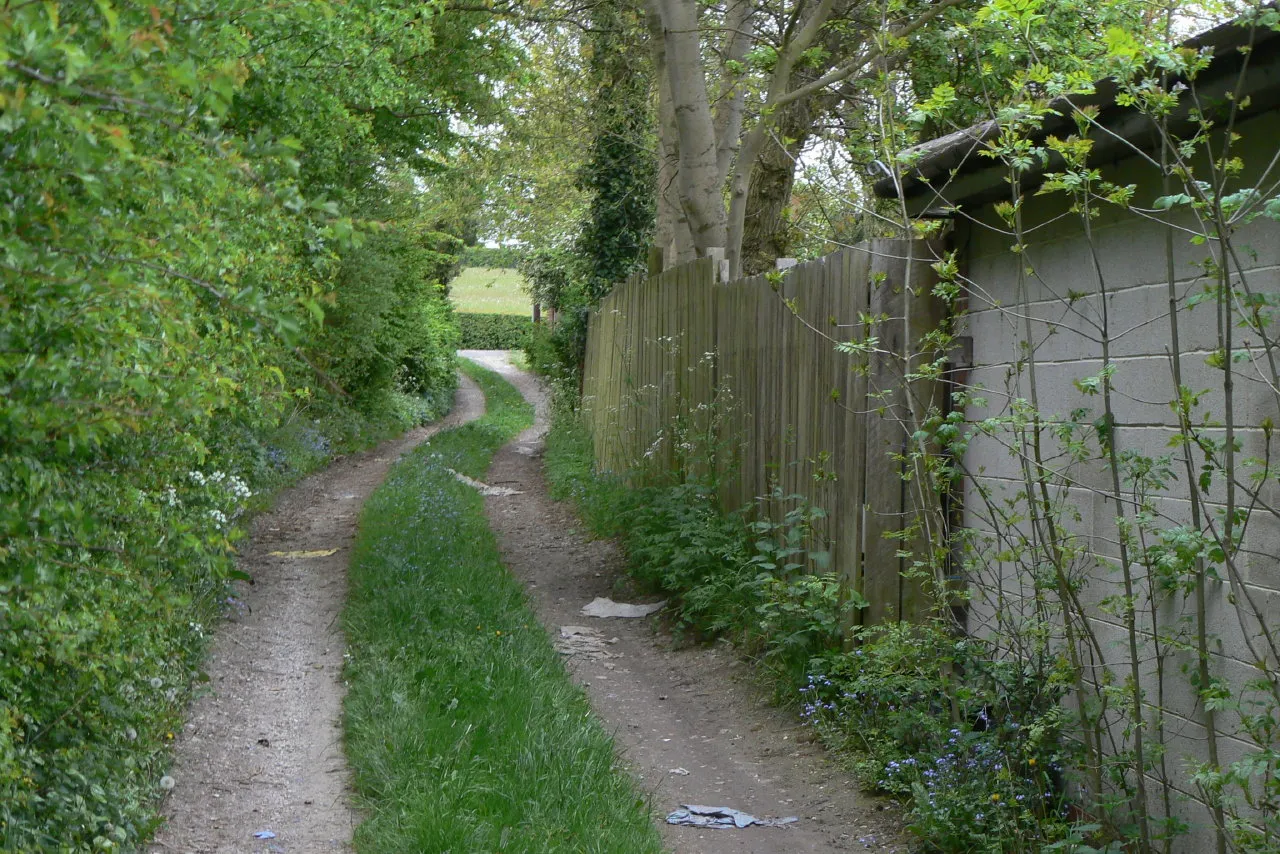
(493, 331)
(492, 256)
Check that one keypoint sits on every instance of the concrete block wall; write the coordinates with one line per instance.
(1046, 305)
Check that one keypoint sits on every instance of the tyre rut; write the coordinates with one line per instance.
(261, 751)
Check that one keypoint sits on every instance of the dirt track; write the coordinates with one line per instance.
(262, 749)
(692, 709)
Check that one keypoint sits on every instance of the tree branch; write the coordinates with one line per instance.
(854, 66)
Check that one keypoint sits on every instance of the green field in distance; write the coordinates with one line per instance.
(488, 290)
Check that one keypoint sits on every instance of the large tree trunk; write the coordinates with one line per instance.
(671, 231)
(678, 238)
(757, 139)
(766, 233)
(739, 28)
(699, 180)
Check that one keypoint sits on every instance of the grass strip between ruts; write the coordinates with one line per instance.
(462, 727)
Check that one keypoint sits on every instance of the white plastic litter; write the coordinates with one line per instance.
(584, 642)
(483, 488)
(699, 816)
(601, 607)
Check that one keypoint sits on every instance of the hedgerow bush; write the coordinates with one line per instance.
(391, 326)
(214, 276)
(493, 331)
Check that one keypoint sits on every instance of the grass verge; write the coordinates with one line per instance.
(462, 726)
(490, 290)
(599, 500)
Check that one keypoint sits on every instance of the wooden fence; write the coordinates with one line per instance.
(751, 367)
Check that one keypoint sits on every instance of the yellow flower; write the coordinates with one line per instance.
(995, 799)
(1032, 762)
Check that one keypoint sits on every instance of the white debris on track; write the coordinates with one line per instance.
(584, 642)
(602, 607)
(482, 488)
(692, 815)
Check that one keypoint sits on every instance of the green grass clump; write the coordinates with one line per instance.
(490, 290)
(463, 728)
(601, 500)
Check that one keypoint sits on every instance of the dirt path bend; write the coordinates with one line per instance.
(262, 749)
(692, 727)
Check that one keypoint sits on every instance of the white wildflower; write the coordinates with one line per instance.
(239, 488)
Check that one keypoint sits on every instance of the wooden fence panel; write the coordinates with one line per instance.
(900, 294)
(850, 509)
(757, 359)
(881, 570)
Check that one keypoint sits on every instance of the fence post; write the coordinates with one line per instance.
(716, 254)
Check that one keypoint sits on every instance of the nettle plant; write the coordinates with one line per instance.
(1148, 614)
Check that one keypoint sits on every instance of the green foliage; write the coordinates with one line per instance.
(493, 331)
(803, 618)
(982, 53)
(196, 212)
(974, 741)
(390, 326)
(601, 499)
(464, 730)
(620, 177)
(542, 354)
(678, 542)
(555, 278)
